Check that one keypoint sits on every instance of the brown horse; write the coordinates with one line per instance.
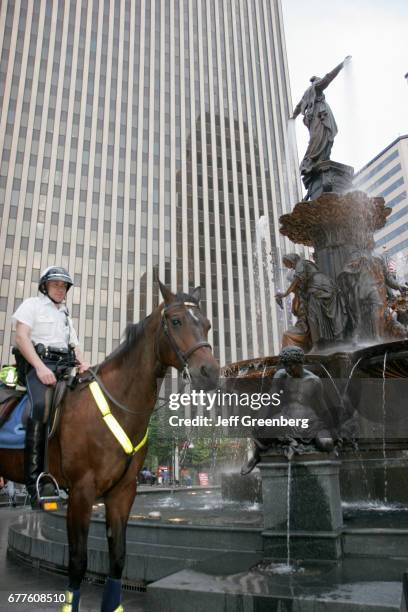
(85, 457)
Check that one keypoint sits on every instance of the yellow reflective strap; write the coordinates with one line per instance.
(8, 376)
(99, 398)
(69, 597)
(142, 442)
(113, 424)
(119, 434)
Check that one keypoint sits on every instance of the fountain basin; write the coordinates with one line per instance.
(236, 488)
(155, 547)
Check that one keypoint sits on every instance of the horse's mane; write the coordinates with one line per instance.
(134, 332)
(132, 335)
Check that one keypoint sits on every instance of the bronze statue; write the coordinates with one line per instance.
(366, 283)
(302, 398)
(399, 306)
(320, 299)
(319, 119)
(299, 333)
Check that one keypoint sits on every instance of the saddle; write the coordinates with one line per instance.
(53, 402)
(10, 398)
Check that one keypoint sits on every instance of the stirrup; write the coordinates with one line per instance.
(48, 502)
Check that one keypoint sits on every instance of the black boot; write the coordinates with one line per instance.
(34, 460)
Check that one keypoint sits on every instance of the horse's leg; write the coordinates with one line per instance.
(80, 501)
(118, 503)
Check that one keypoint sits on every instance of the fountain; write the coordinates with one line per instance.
(322, 524)
(344, 301)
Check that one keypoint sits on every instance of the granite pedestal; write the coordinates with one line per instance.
(315, 507)
(328, 176)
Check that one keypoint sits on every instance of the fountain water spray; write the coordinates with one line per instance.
(292, 154)
(263, 269)
(350, 119)
(262, 232)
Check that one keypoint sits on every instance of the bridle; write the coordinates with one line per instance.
(182, 356)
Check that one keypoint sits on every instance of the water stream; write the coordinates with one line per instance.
(384, 411)
(333, 383)
(285, 568)
(288, 513)
(364, 471)
(351, 374)
(358, 450)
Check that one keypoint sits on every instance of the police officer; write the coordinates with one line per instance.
(44, 322)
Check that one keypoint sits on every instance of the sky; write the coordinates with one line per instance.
(369, 98)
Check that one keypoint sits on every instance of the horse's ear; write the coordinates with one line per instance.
(197, 294)
(168, 296)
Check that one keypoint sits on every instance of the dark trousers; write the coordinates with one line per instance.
(36, 392)
(36, 434)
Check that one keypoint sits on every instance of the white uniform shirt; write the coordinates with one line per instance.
(49, 324)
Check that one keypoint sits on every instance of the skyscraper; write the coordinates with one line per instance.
(386, 175)
(143, 135)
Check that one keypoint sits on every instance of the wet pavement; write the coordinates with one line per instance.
(17, 578)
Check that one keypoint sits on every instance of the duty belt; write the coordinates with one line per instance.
(54, 353)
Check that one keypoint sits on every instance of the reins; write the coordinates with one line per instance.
(117, 403)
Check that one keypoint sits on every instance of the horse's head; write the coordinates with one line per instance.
(182, 338)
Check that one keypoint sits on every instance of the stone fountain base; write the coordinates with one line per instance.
(348, 586)
(376, 458)
(222, 566)
(367, 475)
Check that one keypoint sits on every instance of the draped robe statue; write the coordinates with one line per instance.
(319, 119)
(322, 306)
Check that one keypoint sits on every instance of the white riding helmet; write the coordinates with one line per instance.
(54, 273)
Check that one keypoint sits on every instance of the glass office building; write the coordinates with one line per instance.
(387, 176)
(146, 136)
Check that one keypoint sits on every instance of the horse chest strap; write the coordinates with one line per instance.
(112, 424)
